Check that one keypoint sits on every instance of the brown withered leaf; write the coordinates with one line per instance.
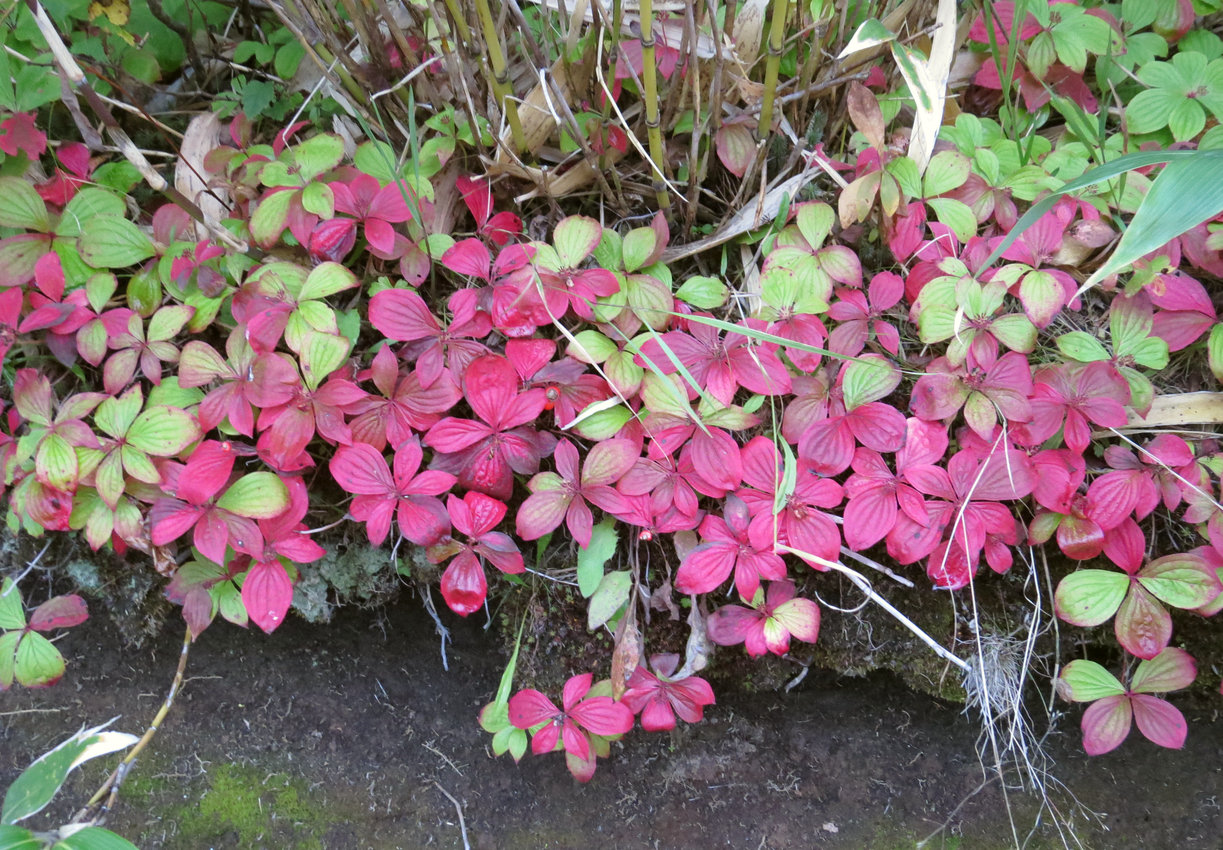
(627, 654)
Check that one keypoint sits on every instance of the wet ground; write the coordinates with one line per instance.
(352, 735)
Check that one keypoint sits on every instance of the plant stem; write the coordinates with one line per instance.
(777, 28)
(649, 83)
(115, 780)
(500, 74)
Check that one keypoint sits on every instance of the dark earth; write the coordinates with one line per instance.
(351, 735)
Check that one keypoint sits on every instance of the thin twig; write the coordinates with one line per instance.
(112, 783)
(459, 809)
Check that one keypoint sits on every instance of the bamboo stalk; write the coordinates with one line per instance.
(777, 30)
(653, 127)
(500, 74)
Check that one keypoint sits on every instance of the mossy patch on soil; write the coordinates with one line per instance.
(242, 806)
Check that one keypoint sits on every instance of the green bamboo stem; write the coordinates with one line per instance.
(777, 30)
(501, 75)
(649, 82)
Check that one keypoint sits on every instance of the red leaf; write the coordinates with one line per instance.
(361, 469)
(401, 314)
(464, 586)
(602, 716)
(1143, 625)
(1106, 722)
(266, 594)
(61, 612)
(1161, 722)
(529, 708)
(21, 134)
(736, 148)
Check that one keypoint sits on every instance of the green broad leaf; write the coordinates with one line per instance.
(868, 379)
(590, 346)
(37, 663)
(601, 419)
(270, 218)
(1150, 353)
(609, 253)
(1171, 670)
(947, 171)
(574, 238)
(623, 373)
(376, 159)
(12, 615)
(144, 293)
(815, 222)
(38, 784)
(907, 176)
(108, 478)
(86, 205)
(510, 739)
(649, 299)
(639, 244)
(1182, 581)
(1015, 331)
(228, 601)
(1186, 120)
(1042, 296)
(1086, 681)
(1214, 351)
(135, 463)
(1090, 597)
(56, 463)
(1082, 346)
(14, 837)
(955, 214)
(871, 33)
(94, 838)
(8, 658)
(142, 65)
(113, 242)
(325, 280)
(609, 597)
(257, 495)
(704, 293)
(288, 59)
(168, 321)
(21, 207)
(321, 355)
(591, 560)
(169, 393)
(318, 198)
(1100, 174)
(317, 155)
(163, 431)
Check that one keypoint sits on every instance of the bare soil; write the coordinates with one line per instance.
(352, 735)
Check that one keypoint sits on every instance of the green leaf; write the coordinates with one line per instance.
(1214, 351)
(38, 662)
(163, 431)
(704, 293)
(317, 154)
(871, 33)
(601, 419)
(257, 495)
(270, 218)
(56, 463)
(14, 837)
(33, 789)
(947, 171)
(12, 615)
(868, 379)
(116, 414)
(94, 838)
(318, 198)
(1120, 165)
(21, 207)
(955, 214)
(1087, 681)
(321, 355)
(1090, 597)
(1182, 581)
(325, 280)
(1082, 346)
(590, 346)
(610, 596)
(591, 560)
(113, 242)
(8, 657)
(1171, 670)
(639, 244)
(815, 222)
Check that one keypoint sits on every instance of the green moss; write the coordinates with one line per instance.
(241, 807)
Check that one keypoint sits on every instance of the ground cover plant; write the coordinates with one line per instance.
(963, 316)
